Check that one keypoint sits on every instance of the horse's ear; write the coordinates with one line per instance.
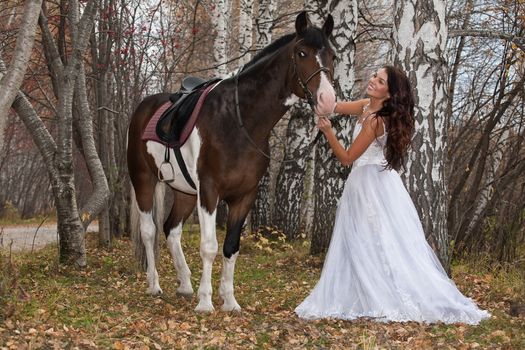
(328, 26)
(301, 23)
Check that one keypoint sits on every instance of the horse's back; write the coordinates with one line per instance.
(145, 110)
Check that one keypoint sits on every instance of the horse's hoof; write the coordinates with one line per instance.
(203, 307)
(231, 307)
(185, 294)
(154, 291)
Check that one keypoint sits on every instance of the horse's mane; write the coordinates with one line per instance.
(313, 37)
(274, 46)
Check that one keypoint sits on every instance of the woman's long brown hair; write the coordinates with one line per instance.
(398, 114)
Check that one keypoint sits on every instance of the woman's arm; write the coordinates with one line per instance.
(341, 107)
(372, 127)
(351, 107)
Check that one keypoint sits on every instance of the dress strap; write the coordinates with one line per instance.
(380, 119)
(384, 126)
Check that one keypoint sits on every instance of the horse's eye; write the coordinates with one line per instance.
(334, 58)
(301, 54)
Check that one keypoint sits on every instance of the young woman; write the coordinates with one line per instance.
(379, 264)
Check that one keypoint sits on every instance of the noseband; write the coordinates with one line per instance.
(304, 84)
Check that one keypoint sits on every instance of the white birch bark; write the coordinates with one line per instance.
(245, 30)
(345, 19)
(11, 79)
(264, 23)
(261, 211)
(290, 197)
(293, 193)
(328, 172)
(419, 37)
(220, 43)
(290, 180)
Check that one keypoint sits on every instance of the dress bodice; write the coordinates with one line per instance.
(374, 153)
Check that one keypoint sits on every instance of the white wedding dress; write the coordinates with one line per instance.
(379, 264)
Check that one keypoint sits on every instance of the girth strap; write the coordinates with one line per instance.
(183, 168)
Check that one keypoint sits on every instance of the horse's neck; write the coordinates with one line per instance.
(265, 87)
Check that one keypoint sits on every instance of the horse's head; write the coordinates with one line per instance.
(313, 62)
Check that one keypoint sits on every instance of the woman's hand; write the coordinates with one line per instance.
(324, 124)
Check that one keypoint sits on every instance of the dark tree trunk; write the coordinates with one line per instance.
(260, 215)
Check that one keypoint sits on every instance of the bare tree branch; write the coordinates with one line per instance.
(519, 41)
(12, 80)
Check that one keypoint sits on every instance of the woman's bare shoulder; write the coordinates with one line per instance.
(375, 124)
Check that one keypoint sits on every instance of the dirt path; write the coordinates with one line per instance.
(26, 237)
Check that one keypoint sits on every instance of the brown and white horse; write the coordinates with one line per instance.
(224, 161)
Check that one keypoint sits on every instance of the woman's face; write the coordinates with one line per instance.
(378, 85)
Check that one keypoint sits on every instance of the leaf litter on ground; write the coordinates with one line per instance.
(105, 305)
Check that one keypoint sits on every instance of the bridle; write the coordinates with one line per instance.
(304, 84)
(309, 97)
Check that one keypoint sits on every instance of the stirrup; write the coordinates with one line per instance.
(159, 174)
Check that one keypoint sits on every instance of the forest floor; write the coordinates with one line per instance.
(46, 305)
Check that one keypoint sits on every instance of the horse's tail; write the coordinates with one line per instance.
(158, 217)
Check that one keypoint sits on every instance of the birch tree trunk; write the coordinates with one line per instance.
(12, 77)
(291, 195)
(58, 155)
(69, 225)
(329, 174)
(101, 48)
(220, 43)
(260, 214)
(220, 54)
(83, 119)
(290, 180)
(245, 45)
(264, 23)
(419, 37)
(245, 31)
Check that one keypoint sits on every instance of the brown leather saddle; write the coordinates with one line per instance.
(173, 121)
(176, 123)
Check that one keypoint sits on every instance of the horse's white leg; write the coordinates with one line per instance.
(208, 250)
(183, 271)
(147, 233)
(226, 287)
